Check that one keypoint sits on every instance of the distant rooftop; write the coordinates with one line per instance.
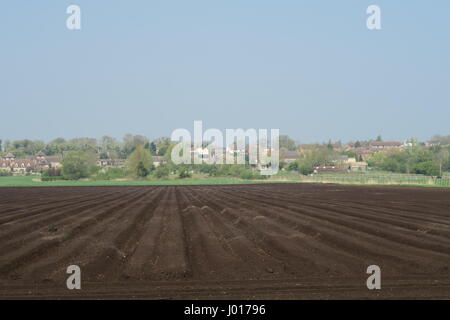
(386, 144)
(290, 155)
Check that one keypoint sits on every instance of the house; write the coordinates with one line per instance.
(378, 146)
(381, 145)
(202, 153)
(46, 162)
(356, 166)
(289, 156)
(121, 163)
(157, 161)
(31, 165)
(111, 163)
(359, 166)
(364, 153)
(9, 157)
(116, 163)
(341, 159)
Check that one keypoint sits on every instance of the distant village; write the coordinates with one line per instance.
(345, 163)
(32, 165)
(350, 157)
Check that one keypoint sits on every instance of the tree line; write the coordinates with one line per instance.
(80, 156)
(106, 147)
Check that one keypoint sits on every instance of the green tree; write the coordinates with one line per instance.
(77, 165)
(109, 146)
(130, 143)
(152, 148)
(394, 162)
(161, 172)
(320, 156)
(305, 168)
(350, 154)
(422, 155)
(141, 170)
(26, 147)
(7, 145)
(56, 146)
(288, 143)
(162, 145)
(442, 158)
(440, 140)
(330, 145)
(376, 160)
(140, 161)
(428, 168)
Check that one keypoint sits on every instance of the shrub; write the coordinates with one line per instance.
(52, 178)
(161, 172)
(305, 168)
(247, 175)
(184, 173)
(111, 173)
(93, 170)
(293, 166)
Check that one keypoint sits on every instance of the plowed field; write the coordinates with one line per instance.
(266, 241)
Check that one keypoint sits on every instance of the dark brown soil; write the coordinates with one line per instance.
(269, 241)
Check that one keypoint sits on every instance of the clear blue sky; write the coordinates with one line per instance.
(310, 68)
